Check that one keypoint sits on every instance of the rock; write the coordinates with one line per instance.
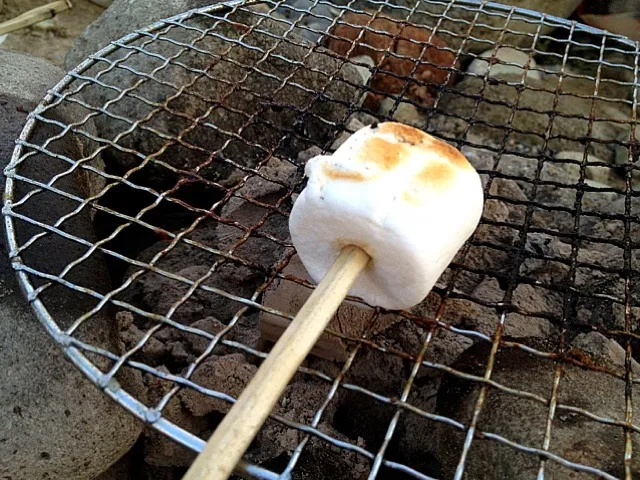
(604, 350)
(26, 80)
(257, 112)
(521, 420)
(228, 374)
(121, 18)
(502, 63)
(54, 423)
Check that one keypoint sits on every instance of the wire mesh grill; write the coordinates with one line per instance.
(146, 209)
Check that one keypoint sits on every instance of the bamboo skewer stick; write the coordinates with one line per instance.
(35, 15)
(237, 430)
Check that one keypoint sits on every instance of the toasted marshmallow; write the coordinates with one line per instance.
(409, 200)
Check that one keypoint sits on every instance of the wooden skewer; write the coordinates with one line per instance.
(239, 427)
(35, 15)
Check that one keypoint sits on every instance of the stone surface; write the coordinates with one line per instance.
(573, 436)
(121, 18)
(54, 423)
(230, 112)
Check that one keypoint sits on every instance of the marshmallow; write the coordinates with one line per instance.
(409, 200)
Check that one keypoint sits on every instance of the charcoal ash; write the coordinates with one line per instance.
(576, 437)
(485, 108)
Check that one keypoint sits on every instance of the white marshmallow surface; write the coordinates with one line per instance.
(409, 200)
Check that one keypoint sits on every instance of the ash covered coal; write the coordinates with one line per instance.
(526, 244)
(575, 437)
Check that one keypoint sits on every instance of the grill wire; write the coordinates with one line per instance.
(102, 365)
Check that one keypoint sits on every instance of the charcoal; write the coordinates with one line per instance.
(518, 326)
(520, 420)
(157, 293)
(603, 350)
(227, 374)
(158, 449)
(531, 108)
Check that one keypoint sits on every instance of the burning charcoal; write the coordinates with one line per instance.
(228, 374)
(299, 403)
(399, 39)
(501, 64)
(575, 437)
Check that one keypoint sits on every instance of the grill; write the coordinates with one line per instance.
(146, 206)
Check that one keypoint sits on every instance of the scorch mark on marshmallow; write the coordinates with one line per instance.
(434, 176)
(416, 137)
